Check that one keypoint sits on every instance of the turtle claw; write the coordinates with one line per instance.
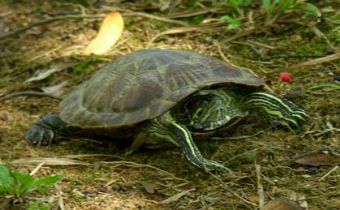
(44, 132)
(210, 166)
(40, 135)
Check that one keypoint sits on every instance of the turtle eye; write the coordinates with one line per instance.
(192, 104)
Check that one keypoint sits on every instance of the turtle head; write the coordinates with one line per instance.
(280, 111)
(211, 109)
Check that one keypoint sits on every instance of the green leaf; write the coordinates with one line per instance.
(47, 181)
(6, 179)
(42, 190)
(251, 155)
(266, 4)
(234, 3)
(313, 10)
(233, 23)
(325, 85)
(23, 183)
(38, 205)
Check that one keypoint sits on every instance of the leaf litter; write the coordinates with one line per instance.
(274, 147)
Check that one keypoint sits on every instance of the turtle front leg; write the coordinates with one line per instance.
(46, 130)
(167, 128)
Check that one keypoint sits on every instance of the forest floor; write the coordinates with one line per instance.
(97, 175)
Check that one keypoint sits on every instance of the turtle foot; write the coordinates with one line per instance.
(44, 132)
(40, 135)
(211, 165)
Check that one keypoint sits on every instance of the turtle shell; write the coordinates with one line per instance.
(145, 84)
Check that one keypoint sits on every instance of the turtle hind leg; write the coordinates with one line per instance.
(45, 131)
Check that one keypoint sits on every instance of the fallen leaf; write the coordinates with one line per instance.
(50, 161)
(55, 90)
(253, 198)
(175, 197)
(282, 204)
(319, 158)
(149, 187)
(110, 30)
(47, 72)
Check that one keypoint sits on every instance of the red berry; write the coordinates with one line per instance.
(285, 77)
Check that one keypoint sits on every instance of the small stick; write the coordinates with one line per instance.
(27, 93)
(325, 59)
(195, 13)
(226, 187)
(37, 168)
(259, 185)
(328, 173)
(139, 165)
(60, 196)
(243, 33)
(238, 137)
(163, 19)
(176, 197)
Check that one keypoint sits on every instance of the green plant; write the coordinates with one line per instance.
(18, 184)
(38, 205)
(233, 22)
(276, 8)
(237, 5)
(272, 10)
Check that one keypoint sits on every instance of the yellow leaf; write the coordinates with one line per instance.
(110, 30)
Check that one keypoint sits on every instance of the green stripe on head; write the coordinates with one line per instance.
(279, 110)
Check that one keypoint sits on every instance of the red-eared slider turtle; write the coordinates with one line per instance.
(164, 95)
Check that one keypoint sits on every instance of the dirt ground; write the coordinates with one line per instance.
(96, 174)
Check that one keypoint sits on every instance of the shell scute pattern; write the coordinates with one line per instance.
(145, 84)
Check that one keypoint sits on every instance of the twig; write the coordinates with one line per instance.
(319, 33)
(253, 43)
(163, 19)
(238, 137)
(133, 164)
(50, 161)
(232, 192)
(321, 132)
(27, 93)
(328, 173)
(325, 59)
(178, 30)
(259, 185)
(221, 53)
(176, 197)
(196, 13)
(243, 33)
(60, 196)
(37, 168)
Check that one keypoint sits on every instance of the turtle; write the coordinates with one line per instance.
(157, 95)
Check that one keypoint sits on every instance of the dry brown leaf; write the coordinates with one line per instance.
(319, 158)
(176, 197)
(110, 31)
(282, 204)
(50, 161)
(43, 74)
(149, 187)
(55, 90)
